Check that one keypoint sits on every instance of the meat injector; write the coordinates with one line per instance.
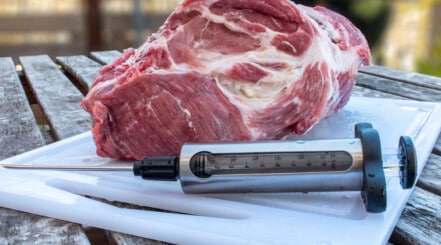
(355, 164)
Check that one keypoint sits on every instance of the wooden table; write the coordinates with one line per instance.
(39, 104)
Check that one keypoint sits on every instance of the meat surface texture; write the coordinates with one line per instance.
(225, 70)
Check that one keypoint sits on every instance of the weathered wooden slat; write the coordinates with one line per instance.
(420, 222)
(437, 149)
(105, 57)
(81, 68)
(407, 90)
(57, 96)
(18, 129)
(431, 175)
(366, 92)
(53, 49)
(399, 75)
(24, 228)
(124, 239)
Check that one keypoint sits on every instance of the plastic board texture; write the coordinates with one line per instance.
(252, 218)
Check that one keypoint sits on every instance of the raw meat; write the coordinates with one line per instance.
(225, 70)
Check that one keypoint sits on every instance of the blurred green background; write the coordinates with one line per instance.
(402, 34)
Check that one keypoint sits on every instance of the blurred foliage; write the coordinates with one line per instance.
(432, 65)
(368, 9)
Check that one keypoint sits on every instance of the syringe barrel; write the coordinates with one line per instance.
(237, 167)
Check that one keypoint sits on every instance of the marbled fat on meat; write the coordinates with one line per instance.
(225, 70)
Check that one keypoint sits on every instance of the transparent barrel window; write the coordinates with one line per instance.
(206, 164)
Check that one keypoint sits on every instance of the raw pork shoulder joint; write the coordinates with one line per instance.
(225, 70)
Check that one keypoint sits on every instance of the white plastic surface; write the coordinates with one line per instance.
(276, 218)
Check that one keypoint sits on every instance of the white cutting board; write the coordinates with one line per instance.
(276, 218)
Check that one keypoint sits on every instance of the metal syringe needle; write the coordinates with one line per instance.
(103, 167)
